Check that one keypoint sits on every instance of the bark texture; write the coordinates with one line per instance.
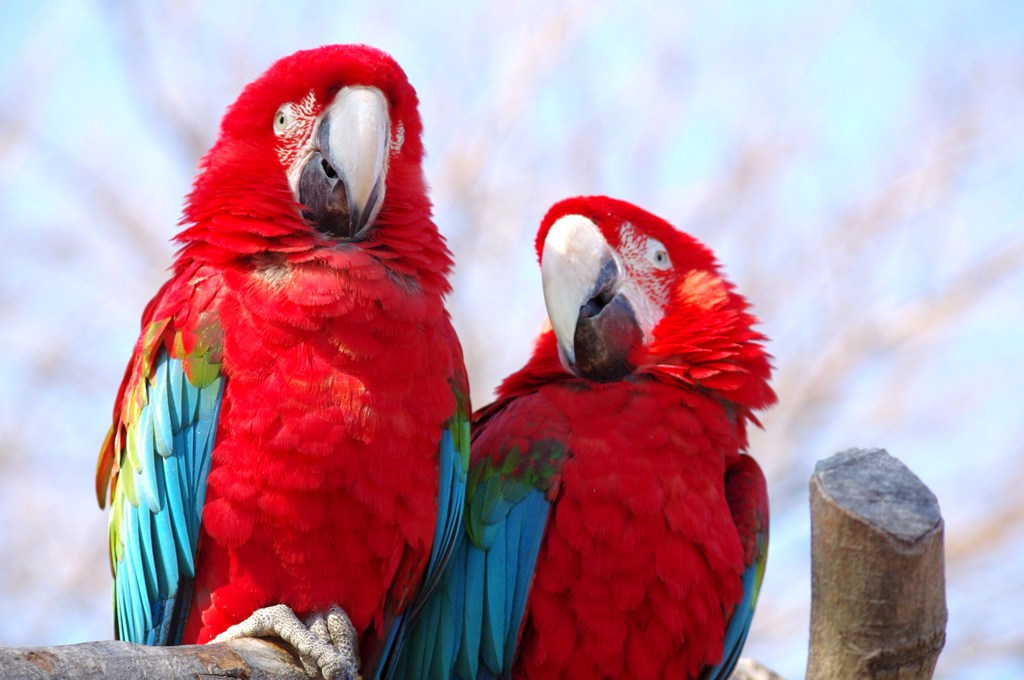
(255, 659)
(878, 597)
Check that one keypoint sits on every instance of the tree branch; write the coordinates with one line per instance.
(250, 658)
(254, 659)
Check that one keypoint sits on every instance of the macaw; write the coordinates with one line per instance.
(291, 436)
(615, 526)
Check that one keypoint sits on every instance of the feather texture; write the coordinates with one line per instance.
(293, 425)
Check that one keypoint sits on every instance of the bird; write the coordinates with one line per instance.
(616, 526)
(291, 436)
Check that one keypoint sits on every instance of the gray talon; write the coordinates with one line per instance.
(327, 644)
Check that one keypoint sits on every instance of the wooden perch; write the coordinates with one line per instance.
(254, 659)
(878, 593)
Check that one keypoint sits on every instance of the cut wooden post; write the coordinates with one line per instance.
(878, 593)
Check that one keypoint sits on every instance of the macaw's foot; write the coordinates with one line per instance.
(327, 643)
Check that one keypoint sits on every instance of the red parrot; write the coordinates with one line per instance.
(292, 428)
(615, 527)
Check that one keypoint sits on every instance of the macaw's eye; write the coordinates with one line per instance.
(658, 255)
(283, 119)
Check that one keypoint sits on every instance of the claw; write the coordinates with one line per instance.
(327, 644)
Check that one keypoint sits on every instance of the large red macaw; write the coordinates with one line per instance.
(615, 528)
(292, 428)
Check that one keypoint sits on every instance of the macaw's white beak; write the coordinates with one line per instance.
(590, 311)
(341, 183)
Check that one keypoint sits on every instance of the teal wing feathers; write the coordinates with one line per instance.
(501, 568)
(161, 446)
(469, 626)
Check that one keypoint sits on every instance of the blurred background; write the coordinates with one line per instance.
(858, 167)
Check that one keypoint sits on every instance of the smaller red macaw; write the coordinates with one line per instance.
(615, 528)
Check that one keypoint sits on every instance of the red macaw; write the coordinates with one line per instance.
(292, 428)
(614, 528)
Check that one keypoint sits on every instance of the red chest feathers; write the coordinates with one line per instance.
(641, 556)
(323, 486)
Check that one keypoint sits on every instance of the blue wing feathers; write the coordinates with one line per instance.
(189, 398)
(133, 571)
(501, 572)
(534, 509)
(173, 439)
(469, 626)
(513, 535)
(469, 583)
(444, 651)
(414, 648)
(175, 407)
(164, 550)
(147, 552)
(177, 511)
(159, 402)
(181, 482)
(146, 481)
(159, 614)
(209, 402)
(455, 502)
(492, 643)
(123, 619)
(174, 624)
(428, 654)
(442, 529)
(532, 514)
(205, 434)
(120, 613)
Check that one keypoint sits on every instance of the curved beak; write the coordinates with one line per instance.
(593, 319)
(342, 181)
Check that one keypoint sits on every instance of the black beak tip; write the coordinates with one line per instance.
(325, 200)
(606, 333)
